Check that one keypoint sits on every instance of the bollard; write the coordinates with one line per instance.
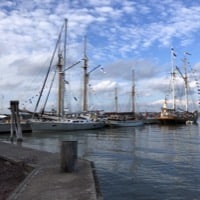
(68, 156)
(15, 122)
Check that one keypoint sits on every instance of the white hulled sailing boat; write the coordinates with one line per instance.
(60, 122)
(173, 115)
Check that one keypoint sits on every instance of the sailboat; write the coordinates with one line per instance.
(125, 119)
(61, 122)
(173, 115)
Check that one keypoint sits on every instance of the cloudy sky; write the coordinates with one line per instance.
(121, 36)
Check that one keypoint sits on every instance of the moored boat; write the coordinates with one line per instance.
(125, 123)
(61, 122)
(171, 116)
(65, 125)
(125, 119)
(176, 115)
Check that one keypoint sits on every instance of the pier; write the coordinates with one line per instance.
(46, 180)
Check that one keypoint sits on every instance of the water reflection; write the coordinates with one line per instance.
(149, 162)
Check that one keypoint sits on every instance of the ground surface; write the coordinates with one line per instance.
(11, 176)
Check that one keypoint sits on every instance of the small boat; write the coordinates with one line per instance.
(174, 115)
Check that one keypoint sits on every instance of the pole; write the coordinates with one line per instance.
(116, 100)
(173, 79)
(186, 81)
(60, 84)
(133, 91)
(85, 78)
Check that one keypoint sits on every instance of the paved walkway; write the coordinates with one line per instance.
(46, 181)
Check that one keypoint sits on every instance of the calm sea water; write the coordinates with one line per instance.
(143, 163)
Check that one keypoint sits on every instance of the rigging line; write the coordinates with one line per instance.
(51, 85)
(50, 65)
(33, 80)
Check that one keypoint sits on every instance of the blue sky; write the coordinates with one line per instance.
(121, 35)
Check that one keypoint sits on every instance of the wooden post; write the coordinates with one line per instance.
(15, 121)
(12, 125)
(68, 156)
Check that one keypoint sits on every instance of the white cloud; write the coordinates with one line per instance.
(121, 34)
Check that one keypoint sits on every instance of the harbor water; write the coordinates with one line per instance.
(150, 162)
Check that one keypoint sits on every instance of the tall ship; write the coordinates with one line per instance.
(125, 119)
(175, 114)
(60, 121)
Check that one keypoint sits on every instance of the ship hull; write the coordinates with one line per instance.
(47, 126)
(179, 118)
(125, 123)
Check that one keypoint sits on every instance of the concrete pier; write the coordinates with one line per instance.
(46, 181)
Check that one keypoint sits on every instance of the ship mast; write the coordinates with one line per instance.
(133, 91)
(46, 77)
(85, 77)
(61, 75)
(116, 100)
(173, 75)
(185, 80)
(60, 84)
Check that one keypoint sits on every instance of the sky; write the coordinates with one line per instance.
(122, 37)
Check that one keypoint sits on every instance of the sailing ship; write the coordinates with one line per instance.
(173, 115)
(125, 119)
(61, 122)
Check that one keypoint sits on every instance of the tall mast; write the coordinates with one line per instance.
(116, 100)
(85, 77)
(64, 67)
(65, 43)
(61, 74)
(49, 69)
(186, 80)
(173, 75)
(133, 91)
(60, 84)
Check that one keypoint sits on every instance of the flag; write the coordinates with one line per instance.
(174, 54)
(75, 99)
(102, 69)
(66, 82)
(187, 53)
(172, 49)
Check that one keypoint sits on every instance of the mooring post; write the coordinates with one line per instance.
(15, 121)
(68, 156)
(11, 124)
